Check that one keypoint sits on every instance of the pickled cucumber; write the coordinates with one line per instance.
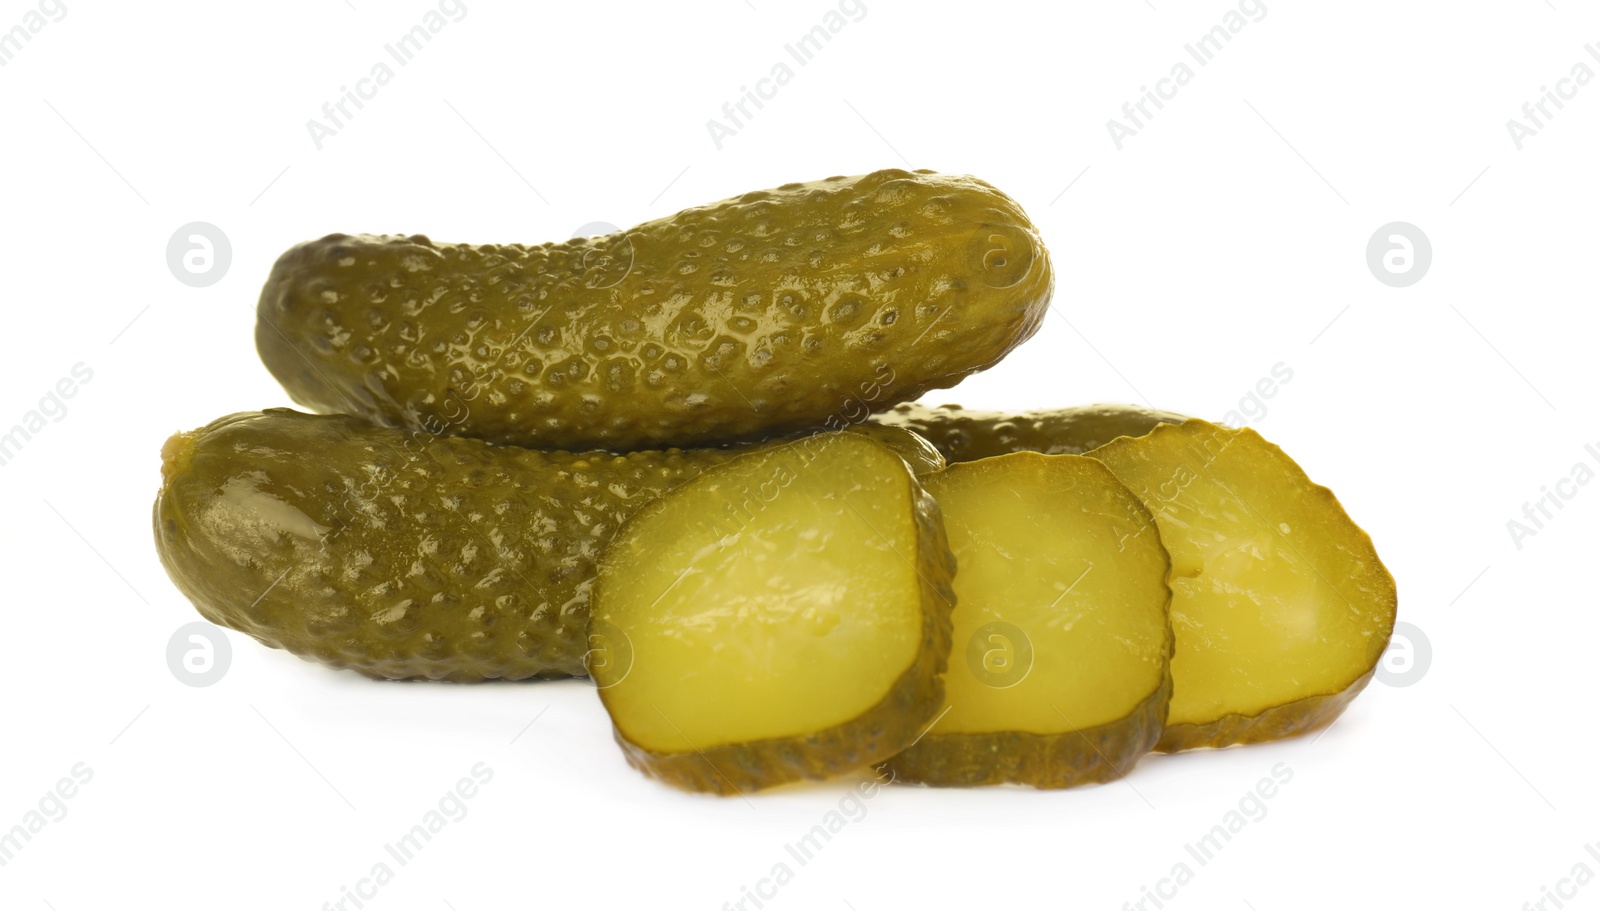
(915, 451)
(765, 313)
(1280, 605)
(1061, 610)
(786, 616)
(963, 435)
(404, 555)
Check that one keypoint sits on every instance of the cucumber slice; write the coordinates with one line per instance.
(783, 616)
(1061, 609)
(917, 452)
(1280, 605)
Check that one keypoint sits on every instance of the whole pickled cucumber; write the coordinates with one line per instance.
(407, 555)
(769, 312)
(965, 435)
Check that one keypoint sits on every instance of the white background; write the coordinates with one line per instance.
(1224, 238)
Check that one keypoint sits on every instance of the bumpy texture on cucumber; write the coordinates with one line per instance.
(807, 305)
(405, 555)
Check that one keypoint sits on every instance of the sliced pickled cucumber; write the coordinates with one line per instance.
(402, 554)
(766, 313)
(1280, 608)
(784, 616)
(963, 435)
(915, 450)
(1061, 612)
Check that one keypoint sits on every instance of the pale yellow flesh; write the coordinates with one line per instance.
(1277, 595)
(1058, 549)
(774, 598)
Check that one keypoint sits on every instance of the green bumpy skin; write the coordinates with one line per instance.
(776, 311)
(407, 554)
(965, 435)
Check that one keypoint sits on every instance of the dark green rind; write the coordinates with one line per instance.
(964, 435)
(490, 549)
(878, 733)
(1048, 761)
(762, 314)
(1291, 719)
